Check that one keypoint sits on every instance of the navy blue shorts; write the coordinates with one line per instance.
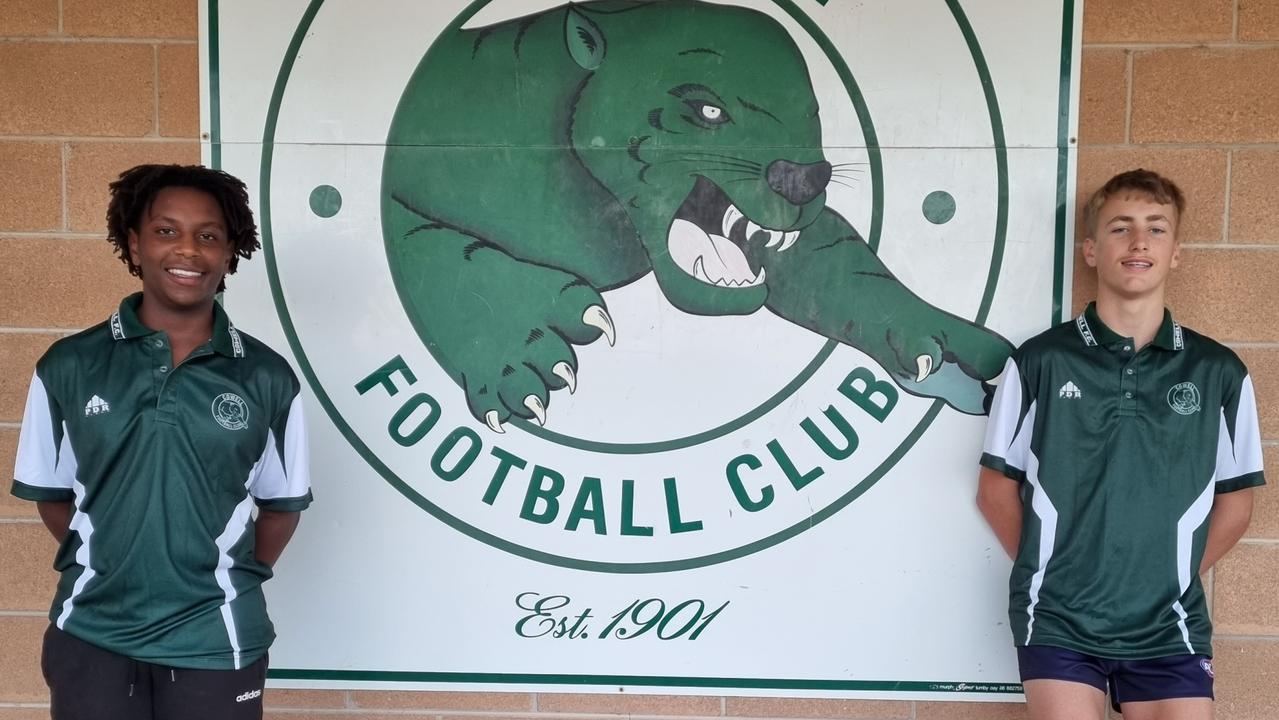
(1165, 678)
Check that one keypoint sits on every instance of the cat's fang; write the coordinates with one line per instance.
(699, 271)
(731, 216)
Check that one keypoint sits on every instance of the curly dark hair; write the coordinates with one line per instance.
(135, 190)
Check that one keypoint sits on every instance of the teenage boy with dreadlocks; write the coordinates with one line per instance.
(146, 442)
(1119, 464)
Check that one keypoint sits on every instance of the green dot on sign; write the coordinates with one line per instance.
(939, 207)
(326, 201)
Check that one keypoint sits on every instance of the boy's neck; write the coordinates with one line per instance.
(187, 329)
(1137, 318)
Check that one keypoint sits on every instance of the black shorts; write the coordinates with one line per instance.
(1164, 678)
(89, 683)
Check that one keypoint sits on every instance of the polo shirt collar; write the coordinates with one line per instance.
(125, 324)
(1094, 332)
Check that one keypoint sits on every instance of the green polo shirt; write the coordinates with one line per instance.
(1119, 451)
(163, 465)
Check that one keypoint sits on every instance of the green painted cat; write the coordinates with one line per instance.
(534, 164)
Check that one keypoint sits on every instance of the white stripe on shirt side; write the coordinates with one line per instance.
(289, 476)
(1005, 416)
(1043, 507)
(1187, 524)
(297, 451)
(37, 457)
(1240, 455)
(236, 526)
(81, 525)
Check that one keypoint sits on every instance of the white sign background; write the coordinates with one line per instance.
(899, 594)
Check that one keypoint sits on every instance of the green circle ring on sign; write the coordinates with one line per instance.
(1001, 226)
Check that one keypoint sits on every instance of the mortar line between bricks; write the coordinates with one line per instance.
(74, 40)
(155, 91)
(60, 20)
(51, 235)
(1188, 45)
(1129, 63)
(10, 425)
(576, 715)
(38, 331)
(427, 712)
(1234, 21)
(21, 521)
(1230, 246)
(65, 152)
(96, 139)
(1182, 146)
(24, 613)
(1225, 210)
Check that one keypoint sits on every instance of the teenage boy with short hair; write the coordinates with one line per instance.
(1118, 465)
(146, 442)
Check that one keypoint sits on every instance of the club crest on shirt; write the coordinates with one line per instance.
(230, 411)
(1183, 398)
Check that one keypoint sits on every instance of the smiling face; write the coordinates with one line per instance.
(182, 248)
(1133, 247)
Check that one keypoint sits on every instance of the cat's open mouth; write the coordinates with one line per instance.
(708, 239)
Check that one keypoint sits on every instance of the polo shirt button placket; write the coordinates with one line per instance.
(164, 396)
(1128, 383)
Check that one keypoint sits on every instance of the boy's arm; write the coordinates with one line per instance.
(1007, 437)
(39, 474)
(999, 499)
(56, 517)
(272, 531)
(282, 486)
(1230, 515)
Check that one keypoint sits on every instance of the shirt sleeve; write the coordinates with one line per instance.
(1239, 461)
(282, 477)
(1007, 446)
(44, 467)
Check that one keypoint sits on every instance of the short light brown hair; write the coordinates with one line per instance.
(1145, 183)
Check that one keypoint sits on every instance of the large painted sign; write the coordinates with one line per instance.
(647, 344)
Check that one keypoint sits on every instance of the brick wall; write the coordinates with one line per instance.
(88, 88)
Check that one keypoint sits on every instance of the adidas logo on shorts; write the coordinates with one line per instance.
(248, 696)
